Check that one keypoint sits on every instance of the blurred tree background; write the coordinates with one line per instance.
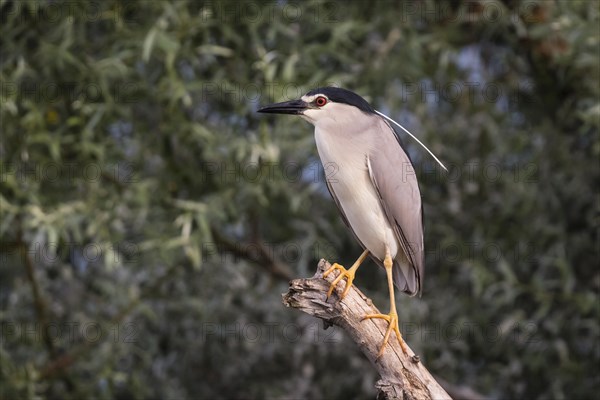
(150, 219)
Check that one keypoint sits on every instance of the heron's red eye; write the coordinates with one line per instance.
(321, 101)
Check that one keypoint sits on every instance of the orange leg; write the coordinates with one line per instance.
(348, 274)
(392, 317)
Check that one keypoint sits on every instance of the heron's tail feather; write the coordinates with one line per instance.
(405, 278)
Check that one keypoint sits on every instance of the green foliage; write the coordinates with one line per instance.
(150, 218)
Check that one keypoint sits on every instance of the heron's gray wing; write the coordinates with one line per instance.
(394, 178)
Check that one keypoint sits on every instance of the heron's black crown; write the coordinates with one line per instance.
(340, 95)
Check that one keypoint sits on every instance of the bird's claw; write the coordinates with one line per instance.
(344, 273)
(392, 319)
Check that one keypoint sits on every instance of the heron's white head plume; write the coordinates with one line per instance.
(413, 136)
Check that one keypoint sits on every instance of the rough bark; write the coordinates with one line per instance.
(402, 376)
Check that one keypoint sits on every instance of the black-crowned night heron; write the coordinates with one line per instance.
(375, 188)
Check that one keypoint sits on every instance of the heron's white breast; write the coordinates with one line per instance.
(344, 159)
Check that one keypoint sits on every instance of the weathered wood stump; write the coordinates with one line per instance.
(402, 376)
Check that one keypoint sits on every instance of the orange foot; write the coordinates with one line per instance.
(392, 319)
(344, 273)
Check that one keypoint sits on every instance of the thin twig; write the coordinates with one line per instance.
(38, 299)
(261, 256)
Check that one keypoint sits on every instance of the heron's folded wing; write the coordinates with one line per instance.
(394, 178)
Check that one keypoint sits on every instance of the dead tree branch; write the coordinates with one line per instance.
(402, 376)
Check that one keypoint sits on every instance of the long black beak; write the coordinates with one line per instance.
(287, 107)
